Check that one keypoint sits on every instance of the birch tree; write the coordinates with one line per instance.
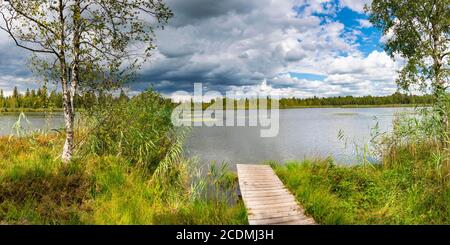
(418, 31)
(84, 43)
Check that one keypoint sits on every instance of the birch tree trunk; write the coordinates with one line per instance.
(67, 92)
(69, 121)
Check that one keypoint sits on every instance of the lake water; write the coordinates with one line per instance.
(31, 122)
(303, 133)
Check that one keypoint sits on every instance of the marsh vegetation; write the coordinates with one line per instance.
(129, 174)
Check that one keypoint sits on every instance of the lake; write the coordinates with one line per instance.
(31, 122)
(303, 133)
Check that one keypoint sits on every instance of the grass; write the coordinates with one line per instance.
(36, 188)
(410, 188)
(128, 169)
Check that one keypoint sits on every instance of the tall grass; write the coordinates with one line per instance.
(139, 129)
(129, 169)
(410, 184)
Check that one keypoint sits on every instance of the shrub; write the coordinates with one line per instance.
(139, 129)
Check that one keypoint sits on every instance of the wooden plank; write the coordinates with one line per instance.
(295, 219)
(261, 189)
(266, 198)
(282, 196)
(257, 201)
(266, 206)
(269, 214)
(274, 192)
(307, 221)
(261, 181)
(276, 207)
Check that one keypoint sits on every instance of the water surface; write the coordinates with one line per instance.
(29, 122)
(303, 133)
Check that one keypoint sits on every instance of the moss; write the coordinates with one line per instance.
(33, 195)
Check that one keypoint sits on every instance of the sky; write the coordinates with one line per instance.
(300, 48)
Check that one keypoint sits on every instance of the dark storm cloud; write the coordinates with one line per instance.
(188, 12)
(13, 61)
(234, 43)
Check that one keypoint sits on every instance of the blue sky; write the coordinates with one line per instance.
(367, 40)
(296, 48)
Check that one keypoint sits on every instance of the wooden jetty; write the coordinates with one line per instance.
(267, 200)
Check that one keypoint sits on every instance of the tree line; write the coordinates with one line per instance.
(42, 98)
(394, 99)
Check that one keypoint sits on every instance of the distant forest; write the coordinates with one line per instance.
(394, 99)
(43, 99)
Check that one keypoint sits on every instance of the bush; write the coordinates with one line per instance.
(139, 130)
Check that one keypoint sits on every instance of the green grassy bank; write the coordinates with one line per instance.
(410, 187)
(18, 110)
(128, 169)
(36, 188)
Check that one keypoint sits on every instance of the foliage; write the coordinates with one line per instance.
(139, 129)
(53, 100)
(84, 44)
(43, 100)
(394, 99)
(92, 38)
(418, 31)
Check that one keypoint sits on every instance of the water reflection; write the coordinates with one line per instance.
(304, 133)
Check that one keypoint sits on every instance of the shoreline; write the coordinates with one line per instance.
(338, 106)
(19, 110)
(358, 106)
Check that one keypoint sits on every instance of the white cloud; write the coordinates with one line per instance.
(234, 48)
(355, 5)
(238, 44)
(7, 83)
(363, 23)
(388, 36)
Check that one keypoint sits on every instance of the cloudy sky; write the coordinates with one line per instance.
(296, 48)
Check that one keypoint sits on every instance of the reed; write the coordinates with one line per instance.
(410, 185)
(129, 169)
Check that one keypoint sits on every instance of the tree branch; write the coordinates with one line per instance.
(8, 30)
(30, 18)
